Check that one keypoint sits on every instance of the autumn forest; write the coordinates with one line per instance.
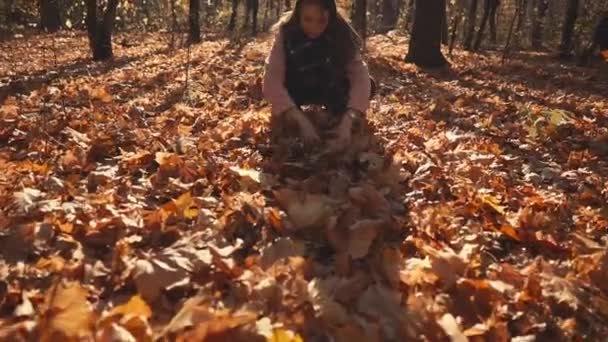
(145, 196)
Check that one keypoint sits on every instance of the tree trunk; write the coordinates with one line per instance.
(232, 22)
(193, 20)
(455, 24)
(410, 15)
(100, 32)
(425, 43)
(482, 26)
(471, 20)
(360, 17)
(493, 11)
(390, 14)
(251, 13)
(537, 26)
(49, 15)
(568, 28)
(444, 27)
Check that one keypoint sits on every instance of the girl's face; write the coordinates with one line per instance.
(313, 20)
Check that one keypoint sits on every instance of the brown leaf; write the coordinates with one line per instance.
(361, 235)
(280, 249)
(304, 209)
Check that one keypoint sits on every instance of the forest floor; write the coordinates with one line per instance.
(132, 209)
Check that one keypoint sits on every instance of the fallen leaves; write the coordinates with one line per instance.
(475, 211)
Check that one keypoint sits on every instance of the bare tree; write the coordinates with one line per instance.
(100, 28)
(193, 20)
(390, 14)
(425, 43)
(471, 20)
(359, 17)
(537, 27)
(493, 14)
(489, 7)
(568, 28)
(49, 15)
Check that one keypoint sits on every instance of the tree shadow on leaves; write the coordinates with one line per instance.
(27, 83)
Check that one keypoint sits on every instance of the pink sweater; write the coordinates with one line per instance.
(274, 80)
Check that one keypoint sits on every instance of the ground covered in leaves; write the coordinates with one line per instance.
(136, 208)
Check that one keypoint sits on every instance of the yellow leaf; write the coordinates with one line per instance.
(134, 307)
(493, 202)
(186, 206)
(284, 335)
(53, 264)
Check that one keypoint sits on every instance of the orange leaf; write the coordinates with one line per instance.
(68, 314)
(136, 306)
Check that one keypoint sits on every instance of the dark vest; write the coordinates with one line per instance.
(311, 64)
(601, 34)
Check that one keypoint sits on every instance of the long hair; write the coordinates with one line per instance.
(346, 40)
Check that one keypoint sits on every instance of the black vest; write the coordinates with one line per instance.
(601, 34)
(310, 62)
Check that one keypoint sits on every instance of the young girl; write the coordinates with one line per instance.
(315, 59)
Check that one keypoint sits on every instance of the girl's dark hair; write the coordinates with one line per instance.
(346, 40)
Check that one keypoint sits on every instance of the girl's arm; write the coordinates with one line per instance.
(360, 84)
(274, 78)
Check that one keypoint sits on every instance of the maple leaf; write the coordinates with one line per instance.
(304, 209)
(154, 275)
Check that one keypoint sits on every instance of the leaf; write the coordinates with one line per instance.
(101, 94)
(116, 333)
(280, 249)
(186, 206)
(303, 209)
(321, 295)
(220, 326)
(195, 314)
(361, 235)
(28, 198)
(284, 335)
(25, 309)
(136, 306)
(451, 328)
(249, 176)
(492, 202)
(153, 275)
(418, 272)
(67, 313)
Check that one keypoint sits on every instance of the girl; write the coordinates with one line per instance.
(315, 59)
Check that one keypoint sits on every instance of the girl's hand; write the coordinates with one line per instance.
(343, 132)
(307, 129)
